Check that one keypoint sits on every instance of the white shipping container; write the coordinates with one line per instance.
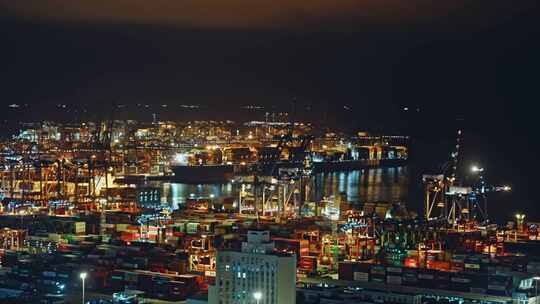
(394, 269)
(361, 276)
(80, 227)
(460, 280)
(425, 276)
(50, 274)
(409, 278)
(472, 266)
(394, 280)
(378, 270)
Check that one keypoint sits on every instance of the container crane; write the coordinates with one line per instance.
(437, 187)
(457, 203)
(288, 179)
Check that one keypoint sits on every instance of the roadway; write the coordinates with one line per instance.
(75, 297)
(405, 289)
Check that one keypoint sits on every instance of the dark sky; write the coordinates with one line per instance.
(476, 60)
(365, 54)
(268, 14)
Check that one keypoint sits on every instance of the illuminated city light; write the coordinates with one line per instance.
(261, 176)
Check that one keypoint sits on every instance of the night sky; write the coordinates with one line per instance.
(473, 60)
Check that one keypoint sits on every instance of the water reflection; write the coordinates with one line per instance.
(368, 185)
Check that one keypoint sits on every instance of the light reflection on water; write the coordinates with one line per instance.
(367, 185)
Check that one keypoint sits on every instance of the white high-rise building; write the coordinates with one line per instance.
(256, 275)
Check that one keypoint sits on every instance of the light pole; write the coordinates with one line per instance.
(83, 278)
(520, 220)
(479, 170)
(476, 169)
(21, 213)
(257, 296)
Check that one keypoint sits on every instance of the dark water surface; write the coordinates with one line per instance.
(368, 185)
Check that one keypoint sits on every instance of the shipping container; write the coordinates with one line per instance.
(377, 273)
(116, 281)
(393, 279)
(533, 267)
(346, 270)
(456, 266)
(460, 282)
(308, 264)
(471, 266)
(361, 276)
(411, 262)
(442, 280)
(499, 285)
(378, 270)
(378, 278)
(409, 277)
(426, 278)
(458, 258)
(439, 265)
(392, 269)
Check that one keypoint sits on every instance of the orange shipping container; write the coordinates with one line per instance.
(129, 236)
(439, 265)
(411, 262)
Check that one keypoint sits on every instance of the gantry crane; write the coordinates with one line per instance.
(282, 189)
(437, 203)
(290, 181)
(454, 202)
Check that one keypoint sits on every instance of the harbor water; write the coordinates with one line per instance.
(360, 186)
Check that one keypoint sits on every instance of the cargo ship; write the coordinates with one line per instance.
(333, 166)
(202, 174)
(348, 165)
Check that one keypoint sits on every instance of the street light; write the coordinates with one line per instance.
(476, 169)
(257, 296)
(520, 219)
(83, 278)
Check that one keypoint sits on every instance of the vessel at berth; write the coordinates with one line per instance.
(201, 174)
